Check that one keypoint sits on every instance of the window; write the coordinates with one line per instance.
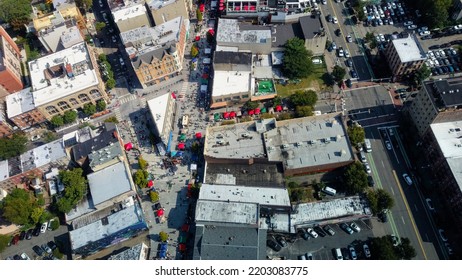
(83, 98)
(51, 110)
(63, 105)
(95, 94)
(73, 101)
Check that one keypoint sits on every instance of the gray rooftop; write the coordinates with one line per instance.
(226, 212)
(232, 31)
(306, 28)
(19, 102)
(229, 243)
(234, 58)
(262, 196)
(102, 188)
(309, 141)
(95, 142)
(447, 93)
(104, 155)
(137, 252)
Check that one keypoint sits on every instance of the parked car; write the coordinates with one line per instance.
(43, 228)
(281, 241)
(367, 252)
(348, 83)
(388, 144)
(346, 228)
(349, 62)
(407, 179)
(353, 74)
(312, 233)
(39, 251)
(46, 248)
(15, 239)
(355, 227)
(304, 234)
(36, 231)
(22, 235)
(52, 245)
(319, 231)
(29, 234)
(25, 257)
(370, 180)
(443, 235)
(430, 204)
(352, 250)
(273, 245)
(394, 240)
(367, 168)
(349, 39)
(329, 230)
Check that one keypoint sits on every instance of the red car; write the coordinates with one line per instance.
(15, 239)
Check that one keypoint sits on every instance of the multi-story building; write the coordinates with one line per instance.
(10, 64)
(60, 36)
(438, 101)
(166, 10)
(162, 109)
(443, 148)
(47, 18)
(405, 56)
(21, 109)
(5, 127)
(156, 53)
(129, 15)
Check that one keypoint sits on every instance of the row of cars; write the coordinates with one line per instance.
(387, 13)
(41, 228)
(442, 61)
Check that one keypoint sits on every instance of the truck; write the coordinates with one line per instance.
(185, 120)
(367, 145)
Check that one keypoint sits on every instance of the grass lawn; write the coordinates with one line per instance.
(313, 81)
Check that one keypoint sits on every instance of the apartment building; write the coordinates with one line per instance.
(128, 17)
(10, 64)
(63, 10)
(166, 10)
(405, 56)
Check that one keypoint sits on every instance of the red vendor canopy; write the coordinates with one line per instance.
(257, 111)
(205, 76)
(212, 32)
(222, 1)
(232, 114)
(128, 146)
(182, 247)
(181, 146)
(202, 7)
(278, 108)
(225, 115)
(150, 183)
(198, 135)
(221, 8)
(198, 38)
(185, 228)
(160, 212)
(173, 95)
(251, 112)
(222, 4)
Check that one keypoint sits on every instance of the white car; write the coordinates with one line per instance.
(340, 52)
(424, 33)
(324, 2)
(382, 38)
(430, 204)
(407, 179)
(347, 53)
(412, 27)
(355, 227)
(349, 39)
(387, 143)
(367, 252)
(312, 232)
(368, 168)
(407, 23)
(43, 228)
(334, 46)
(334, 20)
(443, 235)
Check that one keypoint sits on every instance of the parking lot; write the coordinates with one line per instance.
(322, 248)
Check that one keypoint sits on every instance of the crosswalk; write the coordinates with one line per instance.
(184, 89)
(127, 99)
(118, 114)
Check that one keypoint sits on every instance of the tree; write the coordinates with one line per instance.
(89, 109)
(355, 178)
(382, 248)
(75, 188)
(338, 73)
(101, 105)
(57, 121)
(304, 111)
(405, 250)
(141, 178)
(54, 224)
(13, 146)
(369, 37)
(194, 50)
(356, 134)
(15, 12)
(250, 105)
(163, 236)
(99, 26)
(277, 101)
(49, 136)
(112, 120)
(110, 83)
(379, 201)
(422, 74)
(266, 116)
(284, 116)
(102, 57)
(304, 98)
(154, 196)
(435, 12)
(328, 79)
(199, 15)
(297, 59)
(35, 215)
(142, 163)
(84, 4)
(69, 116)
(4, 240)
(18, 206)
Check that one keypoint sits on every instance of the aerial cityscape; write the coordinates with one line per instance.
(230, 130)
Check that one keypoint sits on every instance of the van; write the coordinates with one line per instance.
(338, 254)
(329, 191)
(316, 61)
(362, 156)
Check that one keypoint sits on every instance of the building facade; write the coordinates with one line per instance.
(405, 56)
(163, 11)
(162, 109)
(457, 10)
(10, 63)
(21, 110)
(438, 101)
(5, 127)
(131, 17)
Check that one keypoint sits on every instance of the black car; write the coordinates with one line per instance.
(281, 241)
(22, 235)
(349, 62)
(39, 251)
(273, 245)
(338, 32)
(348, 83)
(52, 245)
(320, 231)
(304, 234)
(29, 234)
(353, 74)
(370, 180)
(434, 47)
(17, 257)
(383, 217)
(37, 231)
(446, 45)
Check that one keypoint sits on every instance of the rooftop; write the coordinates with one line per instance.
(262, 196)
(102, 189)
(158, 107)
(309, 141)
(137, 253)
(129, 12)
(62, 73)
(115, 5)
(19, 102)
(232, 31)
(96, 142)
(105, 155)
(159, 4)
(60, 36)
(446, 93)
(306, 28)
(230, 82)
(409, 49)
(230, 243)
(105, 227)
(4, 172)
(233, 59)
(226, 212)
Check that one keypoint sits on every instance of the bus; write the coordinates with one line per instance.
(367, 145)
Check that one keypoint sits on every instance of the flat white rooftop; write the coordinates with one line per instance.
(409, 49)
(158, 107)
(62, 73)
(230, 82)
(226, 212)
(159, 4)
(129, 12)
(19, 102)
(231, 31)
(262, 196)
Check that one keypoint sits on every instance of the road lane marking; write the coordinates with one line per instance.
(383, 164)
(416, 209)
(419, 239)
(402, 218)
(392, 191)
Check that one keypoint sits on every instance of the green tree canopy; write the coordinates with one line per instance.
(55, 224)
(380, 200)
(36, 214)
(99, 26)
(304, 98)
(84, 4)
(13, 146)
(422, 74)
(4, 240)
(112, 119)
(356, 134)
(15, 12)
(303, 111)
(355, 178)
(69, 116)
(142, 163)
(75, 188)
(405, 250)
(101, 105)
(49, 136)
(154, 196)
(250, 105)
(382, 249)
(297, 59)
(89, 109)
(102, 57)
(338, 73)
(57, 121)
(435, 12)
(194, 50)
(18, 206)
(110, 83)
(199, 15)
(141, 178)
(163, 236)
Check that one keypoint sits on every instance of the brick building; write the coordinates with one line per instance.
(10, 64)
(405, 56)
